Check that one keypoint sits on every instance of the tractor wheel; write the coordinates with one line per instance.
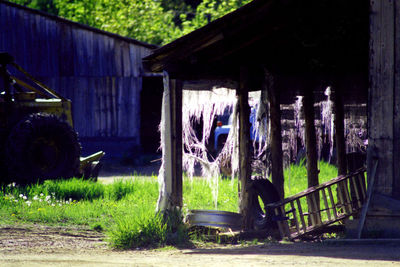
(42, 147)
(264, 191)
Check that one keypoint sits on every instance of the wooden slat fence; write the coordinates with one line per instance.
(99, 72)
(319, 206)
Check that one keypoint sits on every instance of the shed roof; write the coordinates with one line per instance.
(324, 38)
(79, 25)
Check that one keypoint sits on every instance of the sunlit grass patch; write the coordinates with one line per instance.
(126, 209)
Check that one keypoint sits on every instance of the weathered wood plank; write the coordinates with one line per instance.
(245, 206)
(381, 93)
(339, 132)
(170, 195)
(276, 133)
(303, 221)
(396, 123)
(82, 64)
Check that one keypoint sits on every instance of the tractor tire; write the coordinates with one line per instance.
(42, 147)
(265, 191)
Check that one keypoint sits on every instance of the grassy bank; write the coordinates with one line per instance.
(125, 210)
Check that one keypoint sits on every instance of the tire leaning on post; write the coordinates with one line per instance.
(41, 147)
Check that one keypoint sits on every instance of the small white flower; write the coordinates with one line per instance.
(35, 198)
(47, 198)
(21, 195)
(40, 200)
(25, 197)
(41, 194)
(28, 203)
(60, 204)
(16, 200)
(53, 205)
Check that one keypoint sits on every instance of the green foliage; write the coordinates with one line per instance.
(43, 5)
(208, 11)
(144, 20)
(155, 22)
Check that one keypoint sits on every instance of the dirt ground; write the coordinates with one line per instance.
(63, 246)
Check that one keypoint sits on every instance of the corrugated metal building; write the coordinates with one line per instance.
(100, 72)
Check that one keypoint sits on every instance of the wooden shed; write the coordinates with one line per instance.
(100, 72)
(304, 46)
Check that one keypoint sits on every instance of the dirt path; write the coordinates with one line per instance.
(61, 246)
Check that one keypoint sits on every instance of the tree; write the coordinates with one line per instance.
(144, 20)
(43, 5)
(151, 21)
(208, 11)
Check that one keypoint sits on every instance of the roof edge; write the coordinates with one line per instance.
(80, 25)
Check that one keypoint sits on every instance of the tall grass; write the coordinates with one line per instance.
(296, 176)
(125, 210)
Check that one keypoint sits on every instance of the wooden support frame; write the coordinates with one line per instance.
(170, 196)
(339, 132)
(276, 134)
(293, 211)
(311, 148)
(245, 194)
(310, 138)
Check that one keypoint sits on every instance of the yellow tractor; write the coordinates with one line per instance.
(37, 138)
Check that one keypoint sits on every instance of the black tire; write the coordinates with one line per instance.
(263, 189)
(41, 147)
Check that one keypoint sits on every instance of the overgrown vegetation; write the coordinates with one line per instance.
(155, 22)
(125, 210)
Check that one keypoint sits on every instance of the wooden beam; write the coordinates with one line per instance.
(176, 99)
(339, 132)
(311, 150)
(245, 194)
(276, 134)
(170, 176)
(310, 139)
(382, 106)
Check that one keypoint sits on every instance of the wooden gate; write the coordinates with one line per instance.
(319, 206)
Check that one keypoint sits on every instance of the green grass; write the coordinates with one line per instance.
(296, 176)
(125, 210)
(296, 181)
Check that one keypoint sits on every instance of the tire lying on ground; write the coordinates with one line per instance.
(263, 190)
(41, 147)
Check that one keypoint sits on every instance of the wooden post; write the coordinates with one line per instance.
(384, 96)
(245, 194)
(339, 133)
(276, 135)
(170, 175)
(311, 148)
(310, 139)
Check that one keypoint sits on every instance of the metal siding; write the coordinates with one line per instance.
(99, 73)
